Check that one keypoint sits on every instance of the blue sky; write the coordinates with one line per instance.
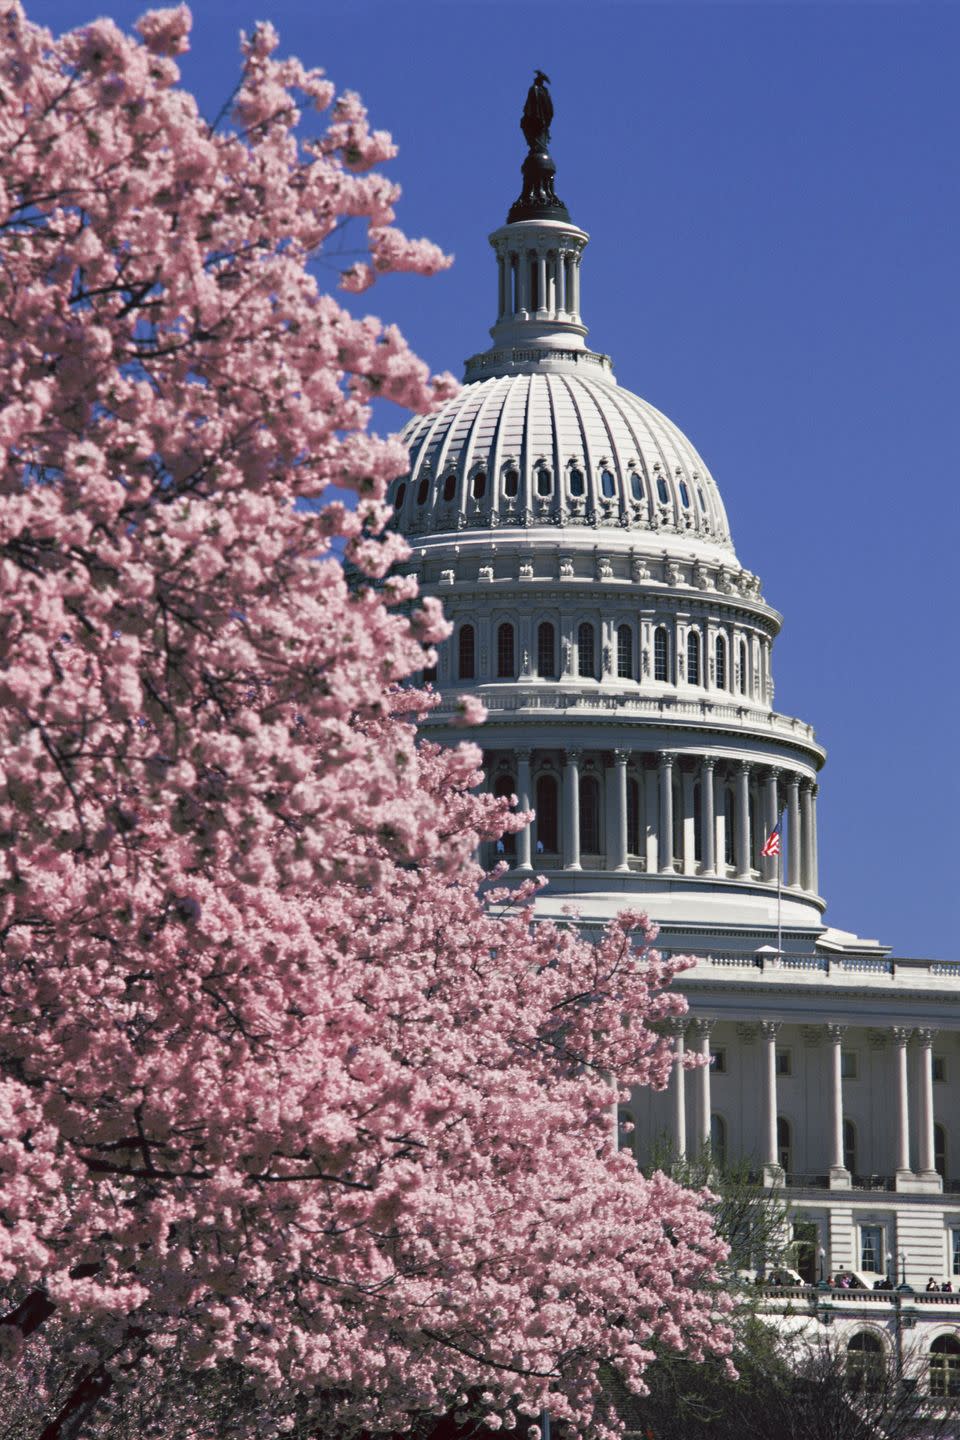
(773, 195)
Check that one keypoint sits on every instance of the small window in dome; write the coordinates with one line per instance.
(700, 497)
(608, 486)
(423, 490)
(479, 484)
(684, 493)
(577, 485)
(449, 486)
(636, 485)
(662, 490)
(511, 483)
(544, 482)
(399, 497)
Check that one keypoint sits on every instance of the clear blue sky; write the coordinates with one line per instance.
(773, 193)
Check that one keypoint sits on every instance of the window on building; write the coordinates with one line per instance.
(586, 651)
(865, 1364)
(608, 486)
(955, 1251)
(624, 652)
(544, 481)
(467, 652)
(511, 483)
(848, 1064)
(684, 494)
(743, 667)
(940, 1150)
(400, 496)
(633, 817)
(720, 659)
(505, 786)
(850, 1147)
(636, 485)
(693, 657)
(784, 1062)
(945, 1367)
(546, 819)
(662, 490)
(589, 815)
(784, 1144)
(718, 1141)
(577, 483)
(939, 1066)
(718, 1061)
(423, 490)
(546, 651)
(505, 652)
(661, 654)
(479, 484)
(872, 1249)
(449, 486)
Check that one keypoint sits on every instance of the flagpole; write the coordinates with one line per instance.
(779, 889)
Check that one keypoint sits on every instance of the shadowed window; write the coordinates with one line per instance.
(467, 652)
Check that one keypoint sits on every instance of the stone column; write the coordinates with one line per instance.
(814, 865)
(571, 810)
(839, 1175)
(772, 806)
(928, 1168)
(708, 817)
(665, 827)
(619, 857)
(701, 1030)
(807, 862)
(772, 1170)
(904, 1174)
(542, 282)
(688, 823)
(575, 284)
(679, 1091)
(741, 797)
(793, 828)
(523, 281)
(524, 790)
(561, 280)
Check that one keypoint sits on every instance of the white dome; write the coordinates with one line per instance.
(557, 447)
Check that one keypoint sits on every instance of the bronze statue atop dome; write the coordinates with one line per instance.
(537, 200)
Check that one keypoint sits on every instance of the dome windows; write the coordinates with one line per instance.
(693, 658)
(506, 667)
(608, 485)
(720, 662)
(449, 486)
(661, 654)
(578, 484)
(544, 481)
(479, 484)
(423, 490)
(400, 496)
(701, 498)
(546, 651)
(684, 494)
(466, 656)
(624, 652)
(511, 483)
(662, 490)
(636, 485)
(586, 651)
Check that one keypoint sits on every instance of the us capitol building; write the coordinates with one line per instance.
(581, 548)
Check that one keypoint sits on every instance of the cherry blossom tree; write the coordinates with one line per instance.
(300, 1135)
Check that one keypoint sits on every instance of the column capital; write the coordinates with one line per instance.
(808, 786)
(572, 757)
(836, 1032)
(621, 757)
(926, 1036)
(667, 757)
(677, 1026)
(702, 1027)
(770, 1029)
(524, 755)
(901, 1033)
(794, 779)
(774, 772)
(708, 762)
(744, 767)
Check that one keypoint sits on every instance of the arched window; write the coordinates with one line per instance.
(545, 823)
(624, 652)
(850, 1146)
(546, 651)
(784, 1145)
(505, 659)
(945, 1367)
(511, 483)
(718, 1141)
(506, 786)
(398, 499)
(720, 658)
(940, 1150)
(589, 816)
(467, 652)
(693, 657)
(544, 481)
(586, 651)
(633, 817)
(479, 484)
(662, 490)
(729, 842)
(577, 483)
(608, 486)
(743, 667)
(865, 1361)
(423, 490)
(636, 485)
(685, 494)
(661, 654)
(703, 503)
(449, 486)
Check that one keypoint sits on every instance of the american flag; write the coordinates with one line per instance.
(771, 846)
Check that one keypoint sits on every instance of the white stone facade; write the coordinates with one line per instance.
(582, 551)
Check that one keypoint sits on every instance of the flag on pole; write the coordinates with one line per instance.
(771, 846)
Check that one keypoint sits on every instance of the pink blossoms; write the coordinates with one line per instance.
(299, 1136)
